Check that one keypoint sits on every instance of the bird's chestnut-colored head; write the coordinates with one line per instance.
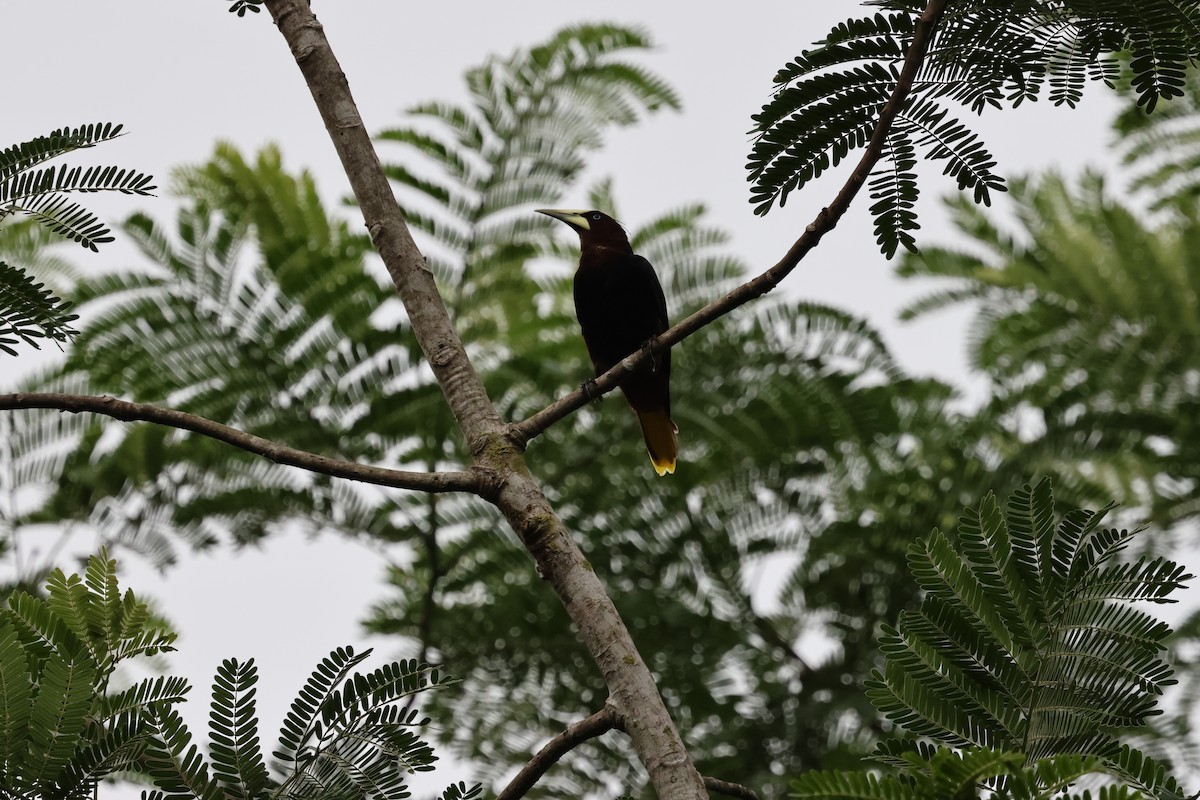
(595, 228)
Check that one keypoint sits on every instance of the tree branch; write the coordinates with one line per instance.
(631, 685)
(576, 734)
(414, 281)
(522, 432)
(281, 454)
(729, 789)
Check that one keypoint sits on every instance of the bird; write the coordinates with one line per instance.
(620, 305)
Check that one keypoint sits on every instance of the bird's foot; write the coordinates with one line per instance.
(647, 346)
(591, 391)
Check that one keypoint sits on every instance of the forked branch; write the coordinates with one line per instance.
(517, 495)
(576, 734)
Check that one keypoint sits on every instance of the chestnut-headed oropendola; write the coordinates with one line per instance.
(621, 306)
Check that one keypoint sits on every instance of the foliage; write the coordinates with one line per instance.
(240, 7)
(792, 354)
(1163, 148)
(848, 576)
(204, 329)
(348, 734)
(983, 54)
(1087, 327)
(676, 556)
(811, 418)
(216, 321)
(60, 730)
(29, 311)
(40, 192)
(532, 119)
(1024, 662)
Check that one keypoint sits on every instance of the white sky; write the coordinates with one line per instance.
(181, 75)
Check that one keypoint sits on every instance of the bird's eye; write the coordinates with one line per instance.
(596, 216)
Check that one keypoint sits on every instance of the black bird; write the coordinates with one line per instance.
(620, 306)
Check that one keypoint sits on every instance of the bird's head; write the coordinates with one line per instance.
(595, 228)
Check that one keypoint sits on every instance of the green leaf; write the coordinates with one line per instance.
(985, 664)
(944, 573)
(172, 761)
(16, 692)
(26, 155)
(302, 716)
(460, 791)
(849, 786)
(31, 312)
(233, 731)
(58, 715)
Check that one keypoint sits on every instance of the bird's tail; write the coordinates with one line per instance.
(660, 432)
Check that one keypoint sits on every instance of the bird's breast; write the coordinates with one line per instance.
(616, 307)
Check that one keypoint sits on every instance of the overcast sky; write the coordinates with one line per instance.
(181, 75)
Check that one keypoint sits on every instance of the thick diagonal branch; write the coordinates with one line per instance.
(631, 686)
(414, 281)
(825, 221)
(279, 453)
(576, 734)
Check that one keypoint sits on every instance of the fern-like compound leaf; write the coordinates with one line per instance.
(818, 785)
(27, 155)
(16, 692)
(982, 55)
(30, 312)
(58, 715)
(1025, 641)
(173, 761)
(301, 718)
(233, 731)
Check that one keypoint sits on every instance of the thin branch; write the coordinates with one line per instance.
(522, 432)
(576, 734)
(729, 789)
(279, 453)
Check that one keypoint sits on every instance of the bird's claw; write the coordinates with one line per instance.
(590, 391)
(647, 346)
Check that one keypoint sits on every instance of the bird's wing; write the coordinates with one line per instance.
(653, 288)
(652, 291)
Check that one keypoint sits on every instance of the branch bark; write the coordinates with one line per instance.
(522, 432)
(468, 481)
(729, 789)
(576, 734)
(632, 690)
(414, 281)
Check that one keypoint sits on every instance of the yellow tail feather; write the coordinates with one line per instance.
(659, 431)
